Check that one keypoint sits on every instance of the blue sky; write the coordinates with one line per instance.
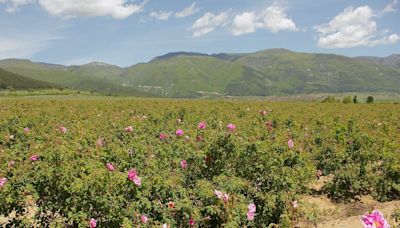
(126, 32)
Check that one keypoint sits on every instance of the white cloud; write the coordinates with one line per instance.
(118, 9)
(208, 22)
(188, 11)
(161, 15)
(273, 18)
(391, 7)
(244, 23)
(351, 28)
(23, 46)
(14, 5)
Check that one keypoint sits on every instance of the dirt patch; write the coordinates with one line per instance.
(321, 212)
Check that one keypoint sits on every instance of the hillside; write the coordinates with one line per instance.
(294, 72)
(191, 75)
(269, 72)
(10, 80)
(89, 77)
(391, 60)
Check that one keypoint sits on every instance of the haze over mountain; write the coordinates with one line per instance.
(190, 75)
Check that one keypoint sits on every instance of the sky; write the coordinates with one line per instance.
(126, 32)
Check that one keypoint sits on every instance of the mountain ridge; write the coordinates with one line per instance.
(191, 74)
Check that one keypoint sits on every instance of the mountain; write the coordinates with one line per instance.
(391, 60)
(268, 72)
(191, 75)
(295, 72)
(91, 77)
(99, 70)
(176, 54)
(10, 80)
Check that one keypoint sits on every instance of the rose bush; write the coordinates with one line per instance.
(221, 164)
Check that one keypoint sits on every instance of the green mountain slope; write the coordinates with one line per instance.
(269, 72)
(190, 74)
(187, 76)
(97, 69)
(391, 60)
(10, 80)
(77, 77)
(294, 72)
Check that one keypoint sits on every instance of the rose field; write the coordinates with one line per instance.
(116, 162)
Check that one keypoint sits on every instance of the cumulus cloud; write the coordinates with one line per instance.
(208, 22)
(351, 28)
(244, 23)
(161, 15)
(273, 19)
(118, 9)
(188, 11)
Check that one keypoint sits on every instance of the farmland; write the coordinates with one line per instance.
(122, 162)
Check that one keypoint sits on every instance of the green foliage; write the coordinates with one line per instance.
(388, 186)
(70, 183)
(347, 100)
(370, 100)
(330, 99)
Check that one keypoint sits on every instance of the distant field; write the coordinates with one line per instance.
(74, 94)
(202, 162)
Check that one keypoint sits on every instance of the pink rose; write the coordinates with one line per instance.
(202, 125)
(250, 215)
(132, 175)
(27, 130)
(251, 210)
(231, 127)
(251, 207)
(63, 129)
(129, 129)
(192, 222)
(162, 136)
(3, 181)
(144, 219)
(34, 157)
(92, 223)
(11, 163)
(225, 198)
(218, 194)
(290, 143)
(137, 181)
(374, 220)
(184, 164)
(110, 167)
(179, 132)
